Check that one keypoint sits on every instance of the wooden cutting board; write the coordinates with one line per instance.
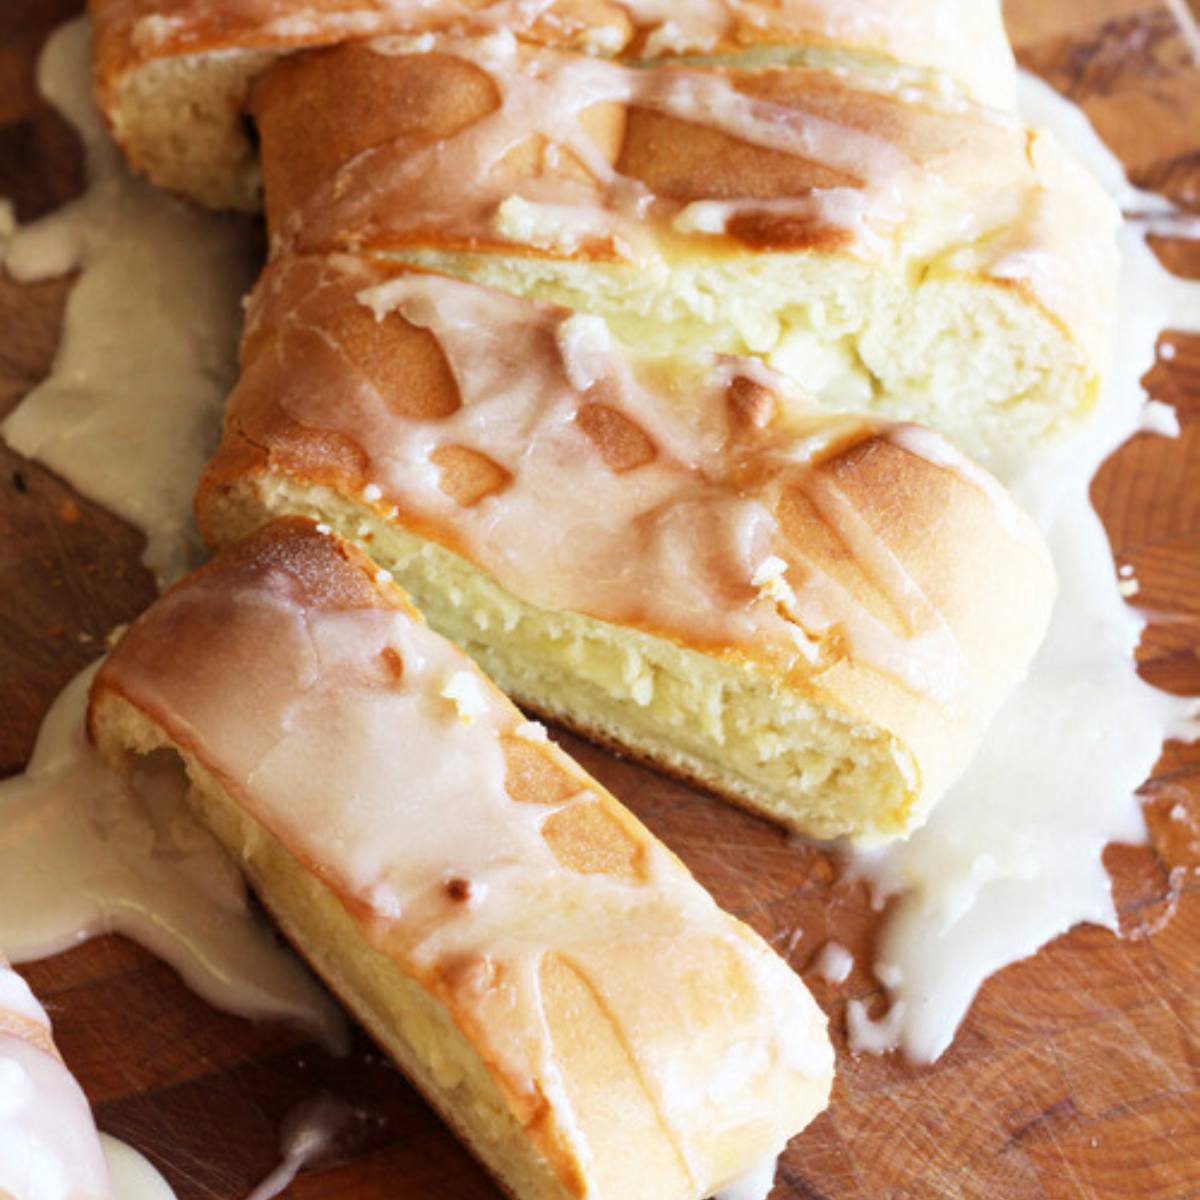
(1077, 1073)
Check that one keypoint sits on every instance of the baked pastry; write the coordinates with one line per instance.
(49, 1147)
(548, 974)
(891, 249)
(813, 615)
(745, 176)
(172, 75)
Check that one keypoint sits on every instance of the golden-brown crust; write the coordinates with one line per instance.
(318, 112)
(333, 575)
(196, 61)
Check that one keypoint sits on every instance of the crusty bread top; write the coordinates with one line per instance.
(868, 563)
(478, 145)
(172, 75)
(964, 39)
(475, 854)
(49, 1149)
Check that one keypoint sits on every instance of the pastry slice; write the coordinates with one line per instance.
(812, 615)
(172, 75)
(891, 249)
(49, 1147)
(571, 1001)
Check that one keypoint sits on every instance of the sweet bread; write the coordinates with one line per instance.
(172, 75)
(49, 1147)
(548, 974)
(890, 249)
(815, 616)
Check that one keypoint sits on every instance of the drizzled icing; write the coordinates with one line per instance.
(85, 852)
(329, 723)
(153, 314)
(127, 415)
(49, 1148)
(950, 35)
(1014, 854)
(686, 507)
(308, 1132)
(623, 172)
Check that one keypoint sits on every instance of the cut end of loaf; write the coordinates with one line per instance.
(180, 122)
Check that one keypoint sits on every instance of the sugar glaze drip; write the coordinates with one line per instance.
(127, 416)
(84, 852)
(1125, 823)
(1012, 856)
(131, 407)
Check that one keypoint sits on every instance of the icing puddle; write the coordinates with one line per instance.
(1010, 859)
(1013, 855)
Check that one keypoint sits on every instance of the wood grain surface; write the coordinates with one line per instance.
(1076, 1074)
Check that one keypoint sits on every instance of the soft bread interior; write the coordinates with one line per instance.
(975, 360)
(179, 121)
(411, 1024)
(720, 721)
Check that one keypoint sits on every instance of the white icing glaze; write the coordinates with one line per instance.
(756, 1185)
(674, 541)
(131, 408)
(867, 1036)
(16, 997)
(48, 1144)
(954, 889)
(127, 416)
(460, 188)
(308, 1133)
(1012, 856)
(82, 853)
(132, 1176)
(336, 735)
(1160, 418)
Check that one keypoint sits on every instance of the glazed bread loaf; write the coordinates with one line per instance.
(814, 616)
(892, 249)
(550, 332)
(49, 1147)
(549, 975)
(172, 75)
